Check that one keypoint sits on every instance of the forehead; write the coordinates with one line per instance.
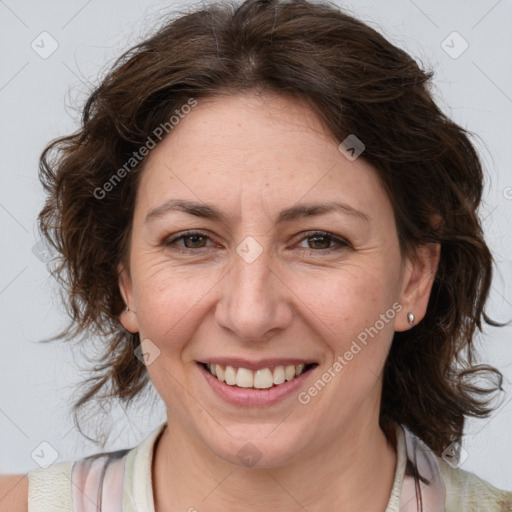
(251, 147)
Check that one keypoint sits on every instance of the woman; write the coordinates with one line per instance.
(266, 216)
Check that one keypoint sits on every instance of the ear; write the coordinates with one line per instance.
(127, 318)
(418, 277)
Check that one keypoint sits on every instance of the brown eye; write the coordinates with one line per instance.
(191, 240)
(320, 242)
(195, 241)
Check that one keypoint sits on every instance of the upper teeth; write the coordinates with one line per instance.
(261, 379)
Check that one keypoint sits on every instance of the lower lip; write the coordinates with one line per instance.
(249, 397)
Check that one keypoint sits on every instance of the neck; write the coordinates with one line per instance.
(188, 476)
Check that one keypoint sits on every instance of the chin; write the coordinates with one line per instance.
(250, 448)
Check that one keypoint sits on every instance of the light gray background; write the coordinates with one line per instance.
(36, 380)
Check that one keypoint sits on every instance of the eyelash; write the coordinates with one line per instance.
(342, 244)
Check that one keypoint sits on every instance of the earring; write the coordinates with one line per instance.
(127, 309)
(410, 317)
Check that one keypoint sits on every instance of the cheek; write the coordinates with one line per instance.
(169, 299)
(347, 300)
(352, 313)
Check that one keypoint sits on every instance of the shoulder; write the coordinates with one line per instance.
(74, 484)
(49, 488)
(14, 493)
(466, 492)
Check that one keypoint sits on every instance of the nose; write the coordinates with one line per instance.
(255, 300)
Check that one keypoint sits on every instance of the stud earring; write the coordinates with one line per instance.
(410, 317)
(127, 309)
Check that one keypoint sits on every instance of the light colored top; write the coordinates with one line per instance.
(126, 475)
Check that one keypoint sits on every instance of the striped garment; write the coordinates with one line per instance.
(120, 481)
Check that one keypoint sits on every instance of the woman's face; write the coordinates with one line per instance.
(255, 281)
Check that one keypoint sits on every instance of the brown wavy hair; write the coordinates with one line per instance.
(357, 82)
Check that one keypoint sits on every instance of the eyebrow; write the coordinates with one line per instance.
(208, 211)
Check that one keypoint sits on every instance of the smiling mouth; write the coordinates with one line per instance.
(263, 378)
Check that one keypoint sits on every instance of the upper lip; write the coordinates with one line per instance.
(239, 362)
